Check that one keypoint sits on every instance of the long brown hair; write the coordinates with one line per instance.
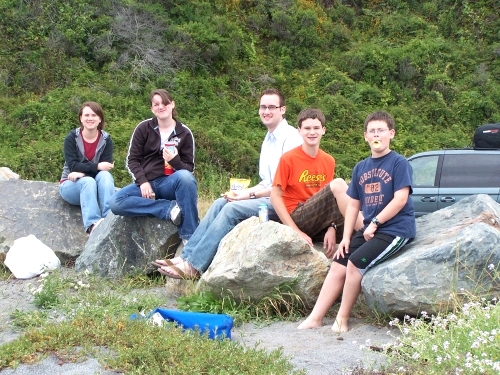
(97, 110)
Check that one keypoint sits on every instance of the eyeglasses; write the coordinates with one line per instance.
(270, 107)
(379, 131)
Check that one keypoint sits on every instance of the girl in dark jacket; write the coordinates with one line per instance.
(88, 158)
(164, 186)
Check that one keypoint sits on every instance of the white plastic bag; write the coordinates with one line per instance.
(30, 257)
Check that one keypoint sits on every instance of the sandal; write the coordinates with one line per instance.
(162, 263)
(180, 274)
(164, 271)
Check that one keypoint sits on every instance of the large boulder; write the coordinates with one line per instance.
(457, 250)
(122, 246)
(254, 258)
(35, 207)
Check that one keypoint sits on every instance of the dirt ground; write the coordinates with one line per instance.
(318, 351)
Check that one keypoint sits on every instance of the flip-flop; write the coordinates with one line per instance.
(180, 273)
(168, 263)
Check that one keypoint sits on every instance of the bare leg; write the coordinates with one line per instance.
(352, 287)
(330, 291)
(339, 189)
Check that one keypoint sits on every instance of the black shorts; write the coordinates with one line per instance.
(367, 254)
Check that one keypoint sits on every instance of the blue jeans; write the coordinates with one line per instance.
(179, 188)
(92, 195)
(221, 217)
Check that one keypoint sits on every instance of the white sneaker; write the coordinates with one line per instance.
(175, 215)
(92, 228)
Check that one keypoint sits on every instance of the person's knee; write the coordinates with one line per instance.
(105, 177)
(115, 203)
(338, 271)
(338, 186)
(88, 183)
(185, 178)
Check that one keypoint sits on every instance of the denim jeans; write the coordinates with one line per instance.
(221, 217)
(92, 195)
(180, 187)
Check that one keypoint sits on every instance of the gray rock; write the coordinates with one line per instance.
(255, 258)
(35, 207)
(7, 174)
(451, 254)
(122, 246)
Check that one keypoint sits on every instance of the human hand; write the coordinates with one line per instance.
(105, 166)
(369, 232)
(305, 237)
(329, 242)
(146, 190)
(236, 195)
(342, 249)
(168, 155)
(73, 176)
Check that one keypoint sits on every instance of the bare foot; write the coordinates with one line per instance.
(310, 323)
(340, 325)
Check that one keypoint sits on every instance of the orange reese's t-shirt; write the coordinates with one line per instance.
(301, 176)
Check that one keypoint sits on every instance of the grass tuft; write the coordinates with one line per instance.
(282, 304)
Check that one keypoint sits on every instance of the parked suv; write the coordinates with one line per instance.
(443, 177)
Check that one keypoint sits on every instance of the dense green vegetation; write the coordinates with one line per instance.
(435, 65)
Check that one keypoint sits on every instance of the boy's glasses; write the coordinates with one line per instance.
(379, 131)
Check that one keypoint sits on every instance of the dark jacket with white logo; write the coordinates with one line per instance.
(145, 154)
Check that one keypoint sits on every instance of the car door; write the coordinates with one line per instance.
(425, 187)
(467, 174)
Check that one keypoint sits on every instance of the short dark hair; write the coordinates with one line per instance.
(312, 113)
(97, 110)
(166, 98)
(380, 116)
(272, 91)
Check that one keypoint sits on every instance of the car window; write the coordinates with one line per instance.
(477, 170)
(424, 170)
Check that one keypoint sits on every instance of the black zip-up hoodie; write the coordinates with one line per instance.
(145, 153)
(74, 154)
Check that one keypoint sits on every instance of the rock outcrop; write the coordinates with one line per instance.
(254, 258)
(117, 247)
(35, 207)
(457, 250)
(122, 246)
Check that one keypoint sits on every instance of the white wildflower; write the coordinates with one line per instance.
(491, 267)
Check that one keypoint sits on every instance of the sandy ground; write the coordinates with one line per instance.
(318, 351)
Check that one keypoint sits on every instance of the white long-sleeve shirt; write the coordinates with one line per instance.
(281, 140)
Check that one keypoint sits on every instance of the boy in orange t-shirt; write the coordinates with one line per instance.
(304, 194)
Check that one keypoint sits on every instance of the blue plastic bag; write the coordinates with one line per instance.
(218, 326)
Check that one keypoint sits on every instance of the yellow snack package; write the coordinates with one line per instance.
(239, 183)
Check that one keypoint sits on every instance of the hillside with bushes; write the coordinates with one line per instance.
(434, 65)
